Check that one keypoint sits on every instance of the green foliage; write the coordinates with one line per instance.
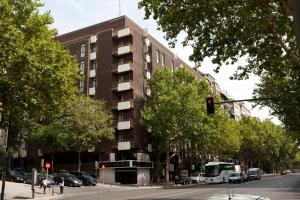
(262, 32)
(84, 123)
(37, 76)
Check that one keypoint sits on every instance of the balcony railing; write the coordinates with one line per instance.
(93, 56)
(122, 86)
(123, 50)
(92, 91)
(124, 125)
(122, 33)
(120, 68)
(123, 105)
(92, 73)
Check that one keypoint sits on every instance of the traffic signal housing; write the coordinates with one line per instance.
(210, 106)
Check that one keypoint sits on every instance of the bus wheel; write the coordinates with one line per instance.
(223, 180)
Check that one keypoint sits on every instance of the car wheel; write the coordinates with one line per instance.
(71, 184)
(229, 182)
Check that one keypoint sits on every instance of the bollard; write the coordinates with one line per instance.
(53, 190)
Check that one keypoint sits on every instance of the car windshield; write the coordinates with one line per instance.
(234, 174)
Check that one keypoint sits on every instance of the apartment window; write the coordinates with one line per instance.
(121, 61)
(93, 47)
(93, 65)
(81, 86)
(120, 117)
(121, 44)
(163, 59)
(81, 67)
(172, 65)
(157, 56)
(94, 82)
(82, 50)
(121, 79)
(120, 97)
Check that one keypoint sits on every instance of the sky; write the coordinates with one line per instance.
(70, 15)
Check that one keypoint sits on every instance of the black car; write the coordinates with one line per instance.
(183, 180)
(85, 177)
(22, 171)
(69, 179)
(15, 176)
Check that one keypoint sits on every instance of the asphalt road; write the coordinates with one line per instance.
(276, 188)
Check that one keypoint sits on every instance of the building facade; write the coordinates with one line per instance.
(117, 59)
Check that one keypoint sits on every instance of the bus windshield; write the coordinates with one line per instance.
(212, 171)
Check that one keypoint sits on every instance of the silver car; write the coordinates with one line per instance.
(235, 178)
(197, 177)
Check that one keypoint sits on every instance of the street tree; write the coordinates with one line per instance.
(84, 123)
(261, 32)
(37, 76)
(176, 111)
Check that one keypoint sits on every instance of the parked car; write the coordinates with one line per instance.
(236, 178)
(69, 179)
(254, 174)
(22, 171)
(15, 176)
(293, 171)
(283, 172)
(85, 177)
(28, 179)
(183, 180)
(288, 171)
(197, 177)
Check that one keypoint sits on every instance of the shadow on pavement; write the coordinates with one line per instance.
(21, 197)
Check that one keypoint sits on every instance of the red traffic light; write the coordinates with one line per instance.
(210, 106)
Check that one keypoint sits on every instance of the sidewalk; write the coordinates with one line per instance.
(23, 191)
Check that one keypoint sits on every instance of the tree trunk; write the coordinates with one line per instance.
(3, 177)
(167, 162)
(79, 161)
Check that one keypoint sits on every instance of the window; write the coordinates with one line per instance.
(93, 48)
(121, 44)
(172, 65)
(121, 79)
(120, 117)
(157, 57)
(163, 59)
(121, 61)
(93, 65)
(81, 86)
(94, 82)
(82, 50)
(81, 67)
(120, 97)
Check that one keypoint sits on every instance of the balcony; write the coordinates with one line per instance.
(148, 92)
(148, 75)
(92, 73)
(122, 33)
(124, 145)
(122, 68)
(93, 56)
(125, 125)
(93, 39)
(123, 50)
(122, 86)
(123, 105)
(147, 58)
(92, 91)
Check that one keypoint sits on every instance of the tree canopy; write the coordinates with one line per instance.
(37, 76)
(262, 32)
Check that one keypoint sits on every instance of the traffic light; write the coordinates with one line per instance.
(210, 107)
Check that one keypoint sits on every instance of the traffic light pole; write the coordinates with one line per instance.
(234, 101)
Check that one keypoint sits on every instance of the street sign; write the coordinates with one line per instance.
(47, 165)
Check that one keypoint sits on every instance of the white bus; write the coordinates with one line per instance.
(218, 172)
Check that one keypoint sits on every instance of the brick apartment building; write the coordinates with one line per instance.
(117, 59)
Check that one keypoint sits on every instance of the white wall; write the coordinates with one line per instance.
(109, 176)
(143, 176)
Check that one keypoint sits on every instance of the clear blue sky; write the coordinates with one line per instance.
(70, 15)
